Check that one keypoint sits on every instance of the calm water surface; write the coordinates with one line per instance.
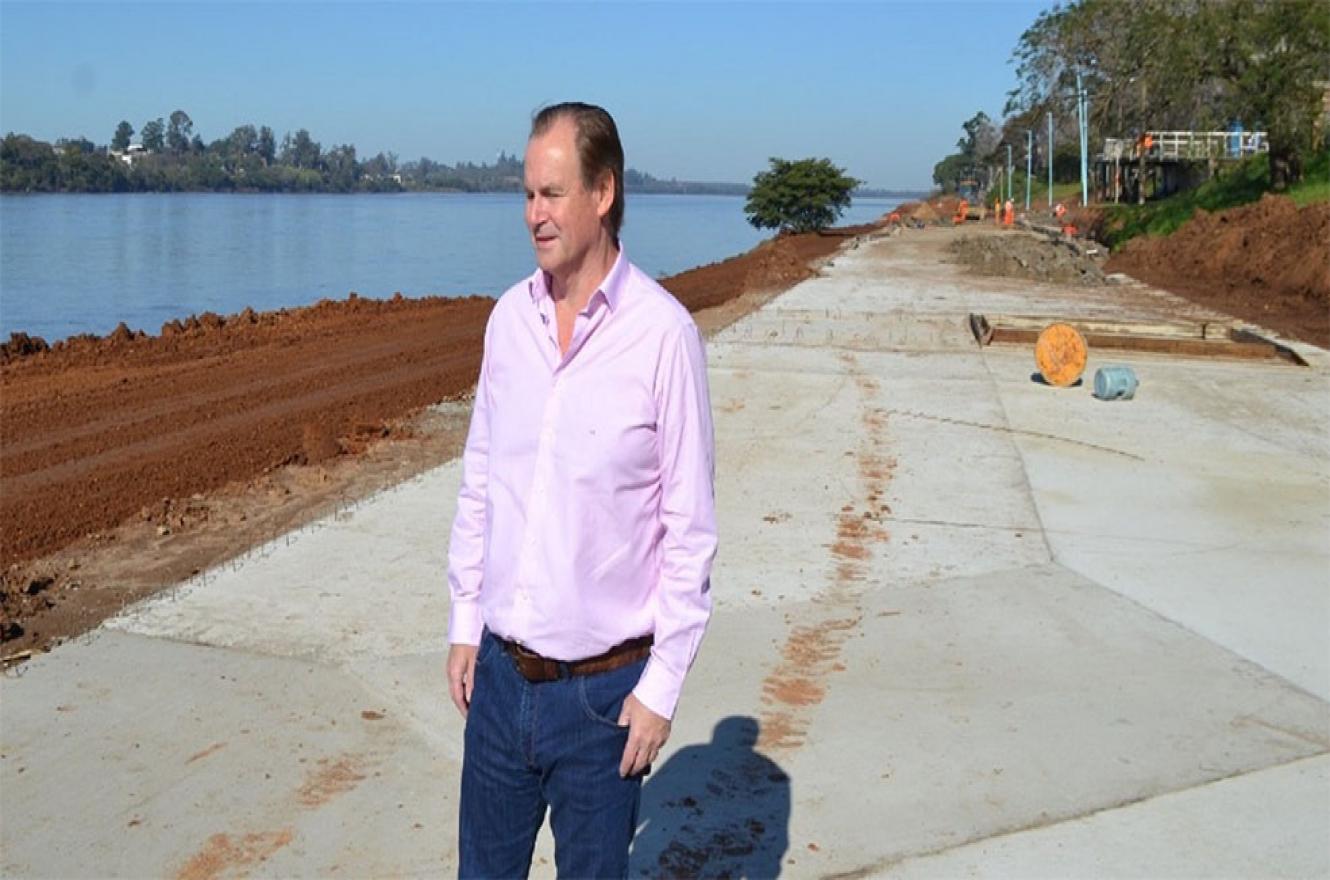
(82, 263)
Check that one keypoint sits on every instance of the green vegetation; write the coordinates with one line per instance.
(1242, 183)
(172, 157)
(804, 195)
(1163, 65)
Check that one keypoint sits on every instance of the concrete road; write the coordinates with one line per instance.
(966, 625)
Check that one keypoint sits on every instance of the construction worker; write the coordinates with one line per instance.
(962, 211)
(1009, 213)
(997, 211)
(1059, 211)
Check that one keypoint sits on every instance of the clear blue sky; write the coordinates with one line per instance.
(700, 91)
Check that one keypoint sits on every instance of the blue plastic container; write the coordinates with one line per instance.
(1115, 383)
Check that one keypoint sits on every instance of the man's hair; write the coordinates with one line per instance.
(598, 148)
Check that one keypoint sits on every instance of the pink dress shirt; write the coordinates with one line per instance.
(586, 515)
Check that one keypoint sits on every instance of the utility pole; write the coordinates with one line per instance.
(1008, 172)
(1029, 167)
(1050, 160)
(1082, 117)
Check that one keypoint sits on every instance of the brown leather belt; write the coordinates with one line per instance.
(537, 669)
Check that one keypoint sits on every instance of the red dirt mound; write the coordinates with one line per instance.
(1265, 262)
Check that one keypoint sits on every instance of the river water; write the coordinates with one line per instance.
(82, 263)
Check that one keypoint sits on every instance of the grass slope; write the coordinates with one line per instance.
(1244, 182)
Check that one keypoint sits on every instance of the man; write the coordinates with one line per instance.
(581, 553)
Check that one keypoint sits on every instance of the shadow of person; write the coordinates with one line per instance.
(714, 810)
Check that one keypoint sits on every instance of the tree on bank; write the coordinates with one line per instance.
(153, 135)
(974, 157)
(123, 132)
(804, 195)
(177, 132)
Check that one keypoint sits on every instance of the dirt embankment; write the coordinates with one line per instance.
(130, 462)
(1265, 262)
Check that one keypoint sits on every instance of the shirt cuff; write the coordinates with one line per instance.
(658, 689)
(465, 625)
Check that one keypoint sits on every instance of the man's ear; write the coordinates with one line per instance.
(604, 192)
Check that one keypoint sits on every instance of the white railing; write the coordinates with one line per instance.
(1173, 145)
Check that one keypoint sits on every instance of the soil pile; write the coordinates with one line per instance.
(131, 461)
(1017, 255)
(1265, 262)
(94, 430)
(775, 264)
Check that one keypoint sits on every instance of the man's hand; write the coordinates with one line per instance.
(462, 675)
(647, 732)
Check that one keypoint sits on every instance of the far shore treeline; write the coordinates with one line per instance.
(171, 157)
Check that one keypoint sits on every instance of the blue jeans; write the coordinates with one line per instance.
(556, 743)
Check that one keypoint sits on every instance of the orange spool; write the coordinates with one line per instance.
(1060, 354)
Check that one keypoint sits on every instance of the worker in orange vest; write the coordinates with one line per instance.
(962, 211)
(997, 211)
(1060, 210)
(1009, 213)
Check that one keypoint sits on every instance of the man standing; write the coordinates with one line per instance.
(581, 553)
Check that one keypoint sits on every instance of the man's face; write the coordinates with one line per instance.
(562, 215)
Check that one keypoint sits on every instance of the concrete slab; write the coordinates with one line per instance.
(1217, 514)
(369, 581)
(1263, 824)
(125, 756)
(974, 707)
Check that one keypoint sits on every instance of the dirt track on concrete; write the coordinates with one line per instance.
(131, 462)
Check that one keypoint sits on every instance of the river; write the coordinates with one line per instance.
(83, 263)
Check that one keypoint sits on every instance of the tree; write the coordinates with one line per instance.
(1273, 57)
(123, 132)
(948, 173)
(178, 131)
(153, 135)
(981, 138)
(1164, 64)
(341, 165)
(301, 151)
(242, 141)
(800, 196)
(267, 146)
(78, 145)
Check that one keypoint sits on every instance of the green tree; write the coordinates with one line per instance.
(242, 141)
(123, 132)
(800, 196)
(948, 173)
(267, 145)
(341, 166)
(1273, 56)
(178, 130)
(153, 135)
(302, 151)
(1164, 64)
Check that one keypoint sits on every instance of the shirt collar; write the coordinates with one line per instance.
(611, 288)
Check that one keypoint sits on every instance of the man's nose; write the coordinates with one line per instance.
(535, 212)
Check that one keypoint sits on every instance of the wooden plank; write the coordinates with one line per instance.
(1172, 329)
(1247, 350)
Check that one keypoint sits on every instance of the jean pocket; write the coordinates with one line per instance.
(488, 645)
(602, 695)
